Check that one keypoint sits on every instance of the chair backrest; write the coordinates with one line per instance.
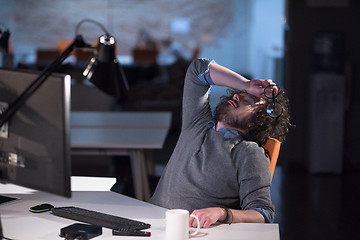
(272, 146)
(144, 55)
(196, 52)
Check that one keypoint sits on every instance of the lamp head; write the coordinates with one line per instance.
(104, 70)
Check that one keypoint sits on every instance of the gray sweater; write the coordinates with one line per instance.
(207, 168)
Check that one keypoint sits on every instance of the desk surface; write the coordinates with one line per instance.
(114, 138)
(81, 119)
(119, 130)
(78, 183)
(19, 223)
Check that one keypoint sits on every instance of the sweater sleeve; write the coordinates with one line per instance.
(269, 216)
(196, 107)
(254, 179)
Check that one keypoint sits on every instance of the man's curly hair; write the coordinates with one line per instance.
(261, 126)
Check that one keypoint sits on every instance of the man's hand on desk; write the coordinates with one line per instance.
(207, 216)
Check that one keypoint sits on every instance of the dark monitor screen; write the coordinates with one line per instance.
(35, 142)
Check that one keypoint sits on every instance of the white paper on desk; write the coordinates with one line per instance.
(92, 183)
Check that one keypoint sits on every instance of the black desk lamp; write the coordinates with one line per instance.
(104, 71)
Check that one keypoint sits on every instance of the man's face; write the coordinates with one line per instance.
(237, 109)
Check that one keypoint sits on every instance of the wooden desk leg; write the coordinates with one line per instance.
(145, 179)
(140, 178)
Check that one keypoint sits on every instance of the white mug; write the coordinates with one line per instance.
(177, 224)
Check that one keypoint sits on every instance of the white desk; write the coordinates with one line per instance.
(19, 223)
(121, 133)
(77, 184)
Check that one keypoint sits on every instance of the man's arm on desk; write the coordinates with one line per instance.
(209, 216)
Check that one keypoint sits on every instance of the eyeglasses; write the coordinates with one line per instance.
(274, 109)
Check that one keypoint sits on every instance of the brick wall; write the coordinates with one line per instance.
(40, 23)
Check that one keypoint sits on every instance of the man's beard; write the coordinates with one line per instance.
(222, 114)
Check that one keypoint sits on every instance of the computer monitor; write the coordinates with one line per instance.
(35, 142)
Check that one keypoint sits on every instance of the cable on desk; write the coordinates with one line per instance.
(2, 237)
(5, 238)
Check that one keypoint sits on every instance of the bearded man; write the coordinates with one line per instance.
(218, 169)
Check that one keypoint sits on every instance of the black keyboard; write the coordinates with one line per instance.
(99, 219)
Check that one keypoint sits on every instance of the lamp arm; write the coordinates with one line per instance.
(21, 100)
(92, 21)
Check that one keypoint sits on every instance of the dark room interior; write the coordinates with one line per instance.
(316, 182)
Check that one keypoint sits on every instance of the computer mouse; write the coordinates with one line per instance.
(44, 207)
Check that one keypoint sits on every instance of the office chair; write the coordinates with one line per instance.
(272, 147)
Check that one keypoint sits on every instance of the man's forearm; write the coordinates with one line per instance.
(223, 76)
(209, 216)
(246, 216)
